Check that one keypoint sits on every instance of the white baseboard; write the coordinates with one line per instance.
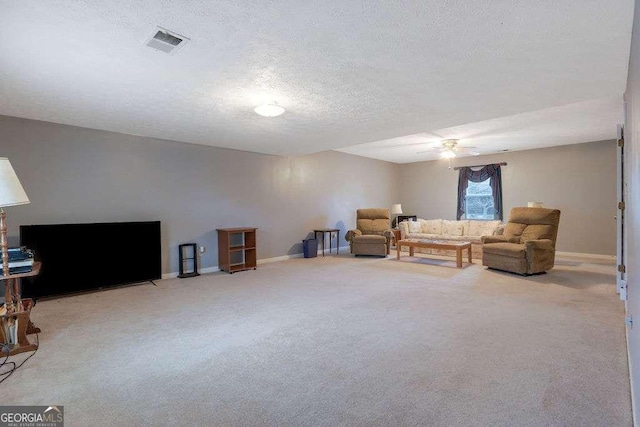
(582, 255)
(205, 270)
(345, 250)
(278, 258)
(630, 361)
(300, 255)
(214, 269)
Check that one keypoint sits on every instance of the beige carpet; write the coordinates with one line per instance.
(338, 341)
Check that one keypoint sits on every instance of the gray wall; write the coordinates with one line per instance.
(632, 215)
(577, 179)
(75, 175)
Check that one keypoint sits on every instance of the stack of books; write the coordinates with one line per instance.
(20, 261)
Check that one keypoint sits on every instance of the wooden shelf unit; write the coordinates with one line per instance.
(23, 342)
(25, 327)
(237, 249)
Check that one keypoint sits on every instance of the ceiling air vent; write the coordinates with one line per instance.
(166, 41)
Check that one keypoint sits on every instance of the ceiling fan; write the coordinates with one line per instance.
(451, 149)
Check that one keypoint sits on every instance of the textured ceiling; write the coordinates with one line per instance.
(570, 124)
(347, 72)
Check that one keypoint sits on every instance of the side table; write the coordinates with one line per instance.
(396, 236)
(330, 231)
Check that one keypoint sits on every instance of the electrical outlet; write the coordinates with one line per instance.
(203, 249)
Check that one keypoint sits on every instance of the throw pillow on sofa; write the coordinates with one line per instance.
(476, 228)
(431, 226)
(452, 228)
(490, 228)
(414, 227)
(465, 226)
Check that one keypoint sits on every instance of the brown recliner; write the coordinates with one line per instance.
(372, 235)
(528, 245)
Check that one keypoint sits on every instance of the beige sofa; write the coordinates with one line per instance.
(442, 229)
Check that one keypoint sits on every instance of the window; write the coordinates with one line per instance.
(480, 193)
(479, 201)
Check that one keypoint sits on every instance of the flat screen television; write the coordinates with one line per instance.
(84, 257)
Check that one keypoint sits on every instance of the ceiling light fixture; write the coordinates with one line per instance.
(448, 154)
(269, 110)
(450, 148)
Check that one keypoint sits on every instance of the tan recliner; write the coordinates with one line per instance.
(372, 235)
(528, 245)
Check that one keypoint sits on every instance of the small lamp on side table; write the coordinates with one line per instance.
(396, 210)
(11, 194)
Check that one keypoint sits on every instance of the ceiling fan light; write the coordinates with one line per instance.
(448, 154)
(269, 110)
(450, 144)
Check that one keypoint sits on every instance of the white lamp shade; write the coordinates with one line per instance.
(396, 209)
(534, 204)
(11, 191)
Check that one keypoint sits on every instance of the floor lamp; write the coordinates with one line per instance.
(11, 194)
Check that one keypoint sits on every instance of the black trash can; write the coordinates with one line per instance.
(310, 248)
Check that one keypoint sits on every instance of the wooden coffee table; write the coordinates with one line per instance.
(436, 244)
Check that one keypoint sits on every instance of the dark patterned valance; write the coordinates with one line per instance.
(491, 172)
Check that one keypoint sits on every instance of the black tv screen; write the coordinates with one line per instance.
(84, 257)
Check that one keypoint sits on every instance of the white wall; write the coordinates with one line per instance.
(580, 180)
(632, 225)
(75, 175)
